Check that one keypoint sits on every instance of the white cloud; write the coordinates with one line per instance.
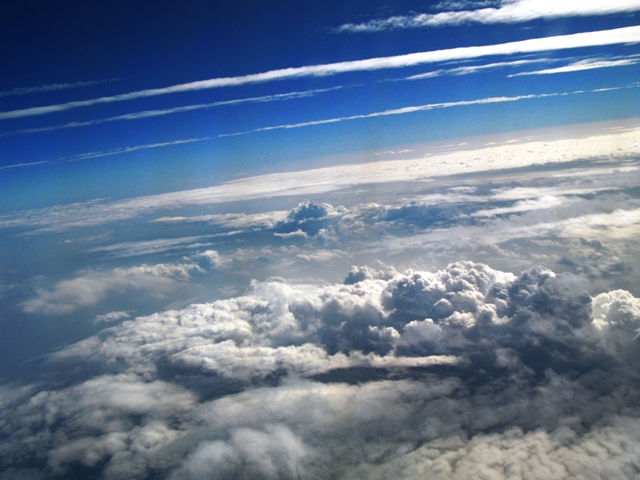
(620, 224)
(170, 111)
(466, 70)
(604, 452)
(413, 319)
(321, 255)
(581, 65)
(121, 150)
(107, 153)
(152, 247)
(534, 194)
(111, 317)
(397, 111)
(295, 234)
(234, 221)
(514, 11)
(618, 36)
(275, 452)
(97, 415)
(91, 287)
(51, 87)
(544, 202)
(420, 108)
(21, 165)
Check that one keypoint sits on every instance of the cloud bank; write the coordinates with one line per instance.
(464, 372)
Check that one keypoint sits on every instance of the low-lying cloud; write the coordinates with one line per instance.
(465, 371)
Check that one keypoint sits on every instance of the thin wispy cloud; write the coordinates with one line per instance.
(467, 70)
(118, 151)
(400, 111)
(53, 87)
(581, 65)
(510, 12)
(609, 89)
(169, 111)
(578, 40)
(422, 108)
(20, 165)
(106, 153)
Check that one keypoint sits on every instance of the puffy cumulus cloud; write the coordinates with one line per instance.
(617, 308)
(210, 259)
(309, 218)
(360, 273)
(93, 286)
(468, 311)
(465, 372)
(274, 453)
(617, 315)
(111, 317)
(423, 215)
(83, 426)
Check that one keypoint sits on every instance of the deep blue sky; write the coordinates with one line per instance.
(58, 52)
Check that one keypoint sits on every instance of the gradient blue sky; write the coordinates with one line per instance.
(84, 58)
(312, 239)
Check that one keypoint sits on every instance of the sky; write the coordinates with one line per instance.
(109, 95)
(309, 240)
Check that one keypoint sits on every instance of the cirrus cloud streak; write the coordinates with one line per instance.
(562, 42)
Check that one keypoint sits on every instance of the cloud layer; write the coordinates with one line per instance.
(527, 152)
(462, 372)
